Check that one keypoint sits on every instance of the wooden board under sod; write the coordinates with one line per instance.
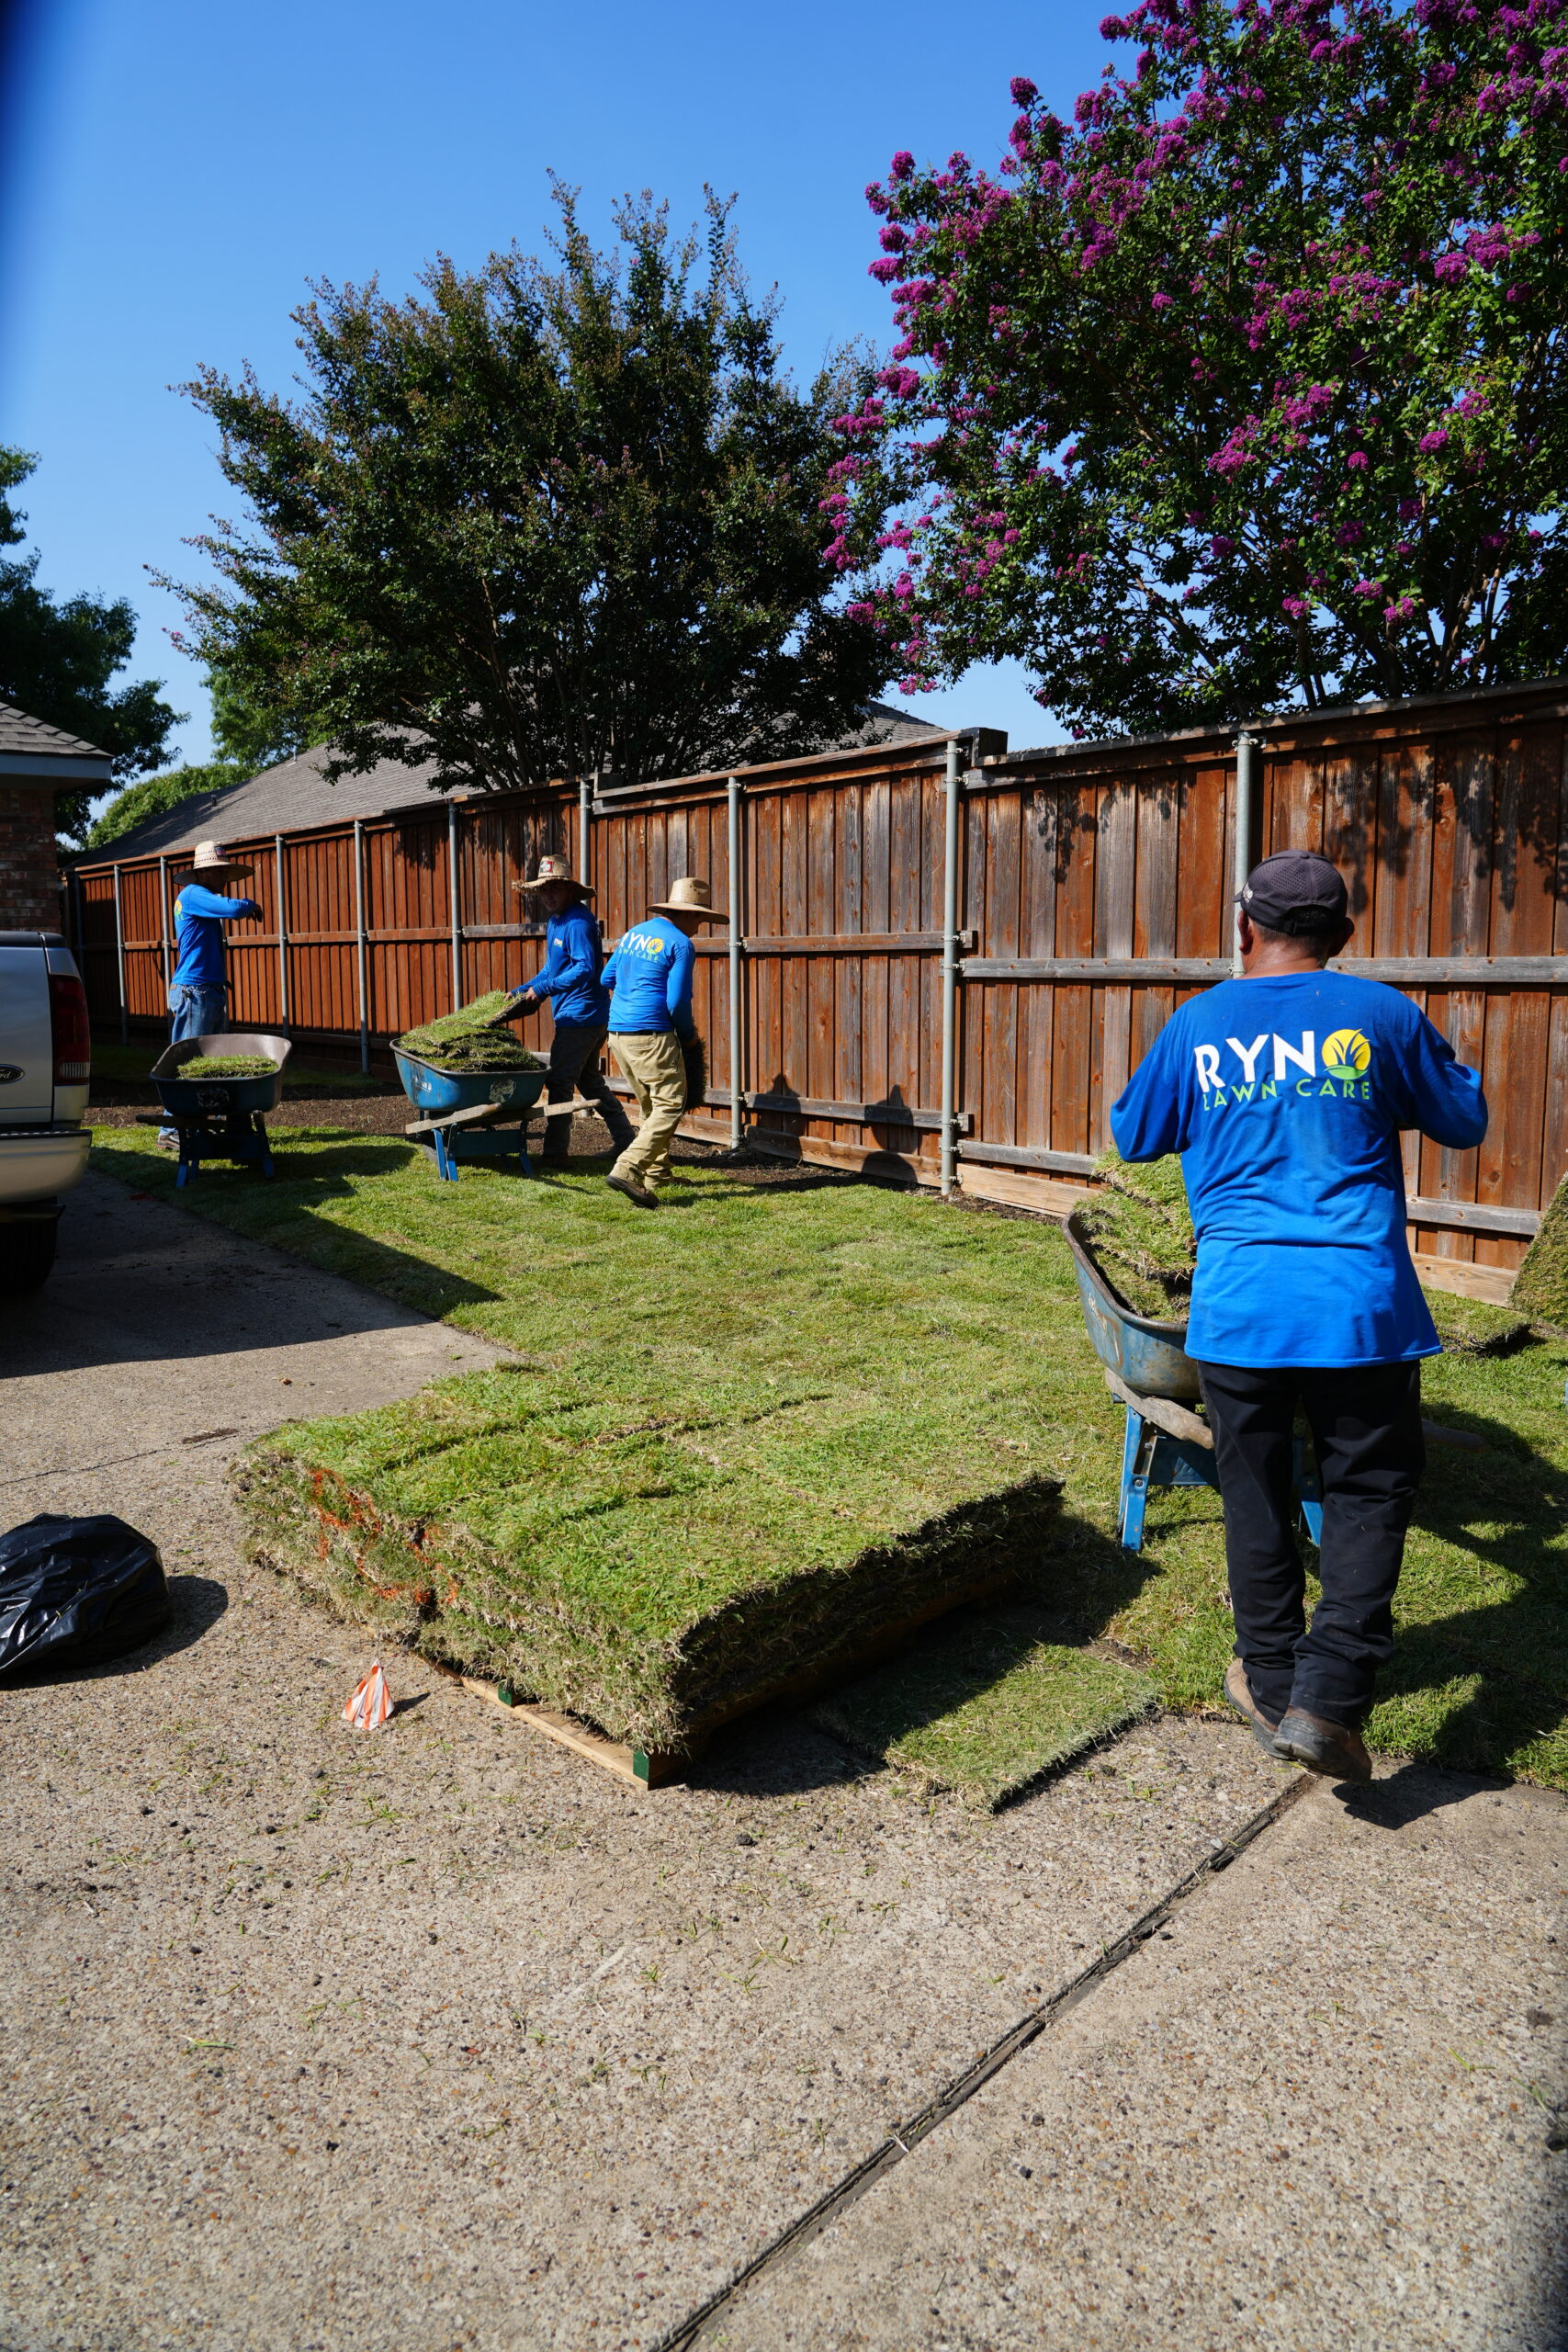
(650, 1564)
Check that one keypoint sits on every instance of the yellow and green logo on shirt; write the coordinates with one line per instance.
(1273, 1065)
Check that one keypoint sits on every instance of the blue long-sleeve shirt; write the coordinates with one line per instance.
(1285, 1096)
(650, 975)
(571, 973)
(199, 916)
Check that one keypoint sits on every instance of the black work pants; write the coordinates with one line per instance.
(1366, 1426)
(574, 1069)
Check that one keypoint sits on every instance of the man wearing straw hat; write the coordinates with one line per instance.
(570, 983)
(198, 985)
(650, 977)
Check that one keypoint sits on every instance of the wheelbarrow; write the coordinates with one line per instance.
(462, 1112)
(219, 1118)
(1147, 1368)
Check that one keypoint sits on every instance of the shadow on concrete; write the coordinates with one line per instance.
(199, 1601)
(140, 1280)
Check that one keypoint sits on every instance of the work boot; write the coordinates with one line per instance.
(1264, 1728)
(633, 1191)
(1335, 1751)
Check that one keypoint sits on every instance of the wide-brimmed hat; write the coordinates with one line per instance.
(555, 869)
(211, 857)
(689, 896)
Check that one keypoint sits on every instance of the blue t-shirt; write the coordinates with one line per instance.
(1285, 1097)
(199, 916)
(650, 975)
(570, 977)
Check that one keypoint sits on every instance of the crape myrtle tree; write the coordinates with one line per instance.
(1245, 388)
(539, 521)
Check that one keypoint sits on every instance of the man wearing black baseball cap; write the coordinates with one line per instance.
(1285, 1091)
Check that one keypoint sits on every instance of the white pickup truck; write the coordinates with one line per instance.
(45, 1064)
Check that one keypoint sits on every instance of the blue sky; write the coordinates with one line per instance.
(177, 169)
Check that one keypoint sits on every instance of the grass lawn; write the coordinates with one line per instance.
(765, 1384)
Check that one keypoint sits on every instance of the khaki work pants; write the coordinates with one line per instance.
(652, 1060)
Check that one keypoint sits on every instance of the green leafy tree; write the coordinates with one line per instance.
(539, 521)
(1245, 388)
(248, 734)
(56, 660)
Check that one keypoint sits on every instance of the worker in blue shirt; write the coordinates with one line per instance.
(1285, 1091)
(570, 986)
(650, 976)
(198, 983)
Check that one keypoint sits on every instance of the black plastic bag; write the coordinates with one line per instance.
(75, 1591)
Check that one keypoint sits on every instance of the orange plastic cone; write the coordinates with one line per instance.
(371, 1703)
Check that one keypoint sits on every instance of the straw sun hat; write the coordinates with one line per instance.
(689, 896)
(555, 869)
(211, 857)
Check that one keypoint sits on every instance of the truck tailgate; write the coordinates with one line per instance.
(27, 1046)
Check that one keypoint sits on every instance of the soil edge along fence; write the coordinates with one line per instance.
(947, 957)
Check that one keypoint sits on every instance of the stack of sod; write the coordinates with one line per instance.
(228, 1066)
(462, 1041)
(653, 1551)
(1540, 1286)
(1142, 1233)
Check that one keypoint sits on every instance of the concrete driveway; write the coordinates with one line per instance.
(436, 2037)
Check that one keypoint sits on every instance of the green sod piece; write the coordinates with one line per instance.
(1142, 1232)
(861, 1362)
(206, 1066)
(1540, 1286)
(1473, 1326)
(462, 1041)
(986, 1705)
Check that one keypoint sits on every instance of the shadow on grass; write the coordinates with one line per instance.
(1507, 1509)
(283, 1212)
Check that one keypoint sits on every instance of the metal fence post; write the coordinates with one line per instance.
(451, 879)
(1245, 795)
(585, 830)
(360, 942)
(950, 971)
(282, 935)
(163, 908)
(119, 962)
(737, 1071)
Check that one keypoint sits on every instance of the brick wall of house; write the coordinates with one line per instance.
(29, 871)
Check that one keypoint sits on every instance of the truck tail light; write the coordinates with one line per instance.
(73, 1037)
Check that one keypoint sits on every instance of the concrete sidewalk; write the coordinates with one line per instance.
(1315, 2110)
(439, 2038)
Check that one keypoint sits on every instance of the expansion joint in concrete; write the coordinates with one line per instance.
(906, 2138)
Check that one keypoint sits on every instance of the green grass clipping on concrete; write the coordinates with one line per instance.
(830, 1364)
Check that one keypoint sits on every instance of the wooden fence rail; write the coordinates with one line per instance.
(1093, 894)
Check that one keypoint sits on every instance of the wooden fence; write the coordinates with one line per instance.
(1093, 889)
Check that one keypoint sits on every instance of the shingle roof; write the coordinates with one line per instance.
(31, 738)
(294, 795)
(288, 798)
